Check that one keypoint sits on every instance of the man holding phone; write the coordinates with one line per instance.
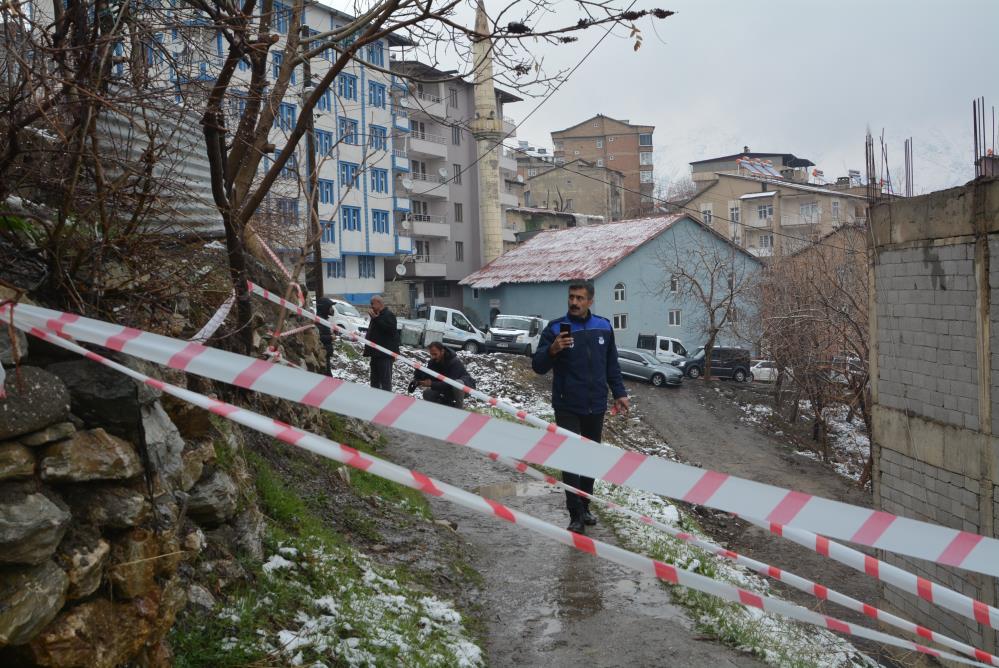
(579, 349)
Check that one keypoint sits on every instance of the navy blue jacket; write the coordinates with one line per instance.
(583, 372)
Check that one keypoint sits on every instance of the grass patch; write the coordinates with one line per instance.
(317, 600)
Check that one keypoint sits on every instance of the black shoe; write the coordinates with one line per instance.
(576, 526)
(588, 519)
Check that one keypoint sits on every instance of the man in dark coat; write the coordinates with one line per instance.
(324, 309)
(383, 330)
(446, 363)
(579, 348)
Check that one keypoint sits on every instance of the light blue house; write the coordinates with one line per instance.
(647, 274)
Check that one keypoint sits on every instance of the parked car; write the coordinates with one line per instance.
(665, 348)
(447, 325)
(644, 366)
(347, 316)
(725, 363)
(764, 371)
(515, 334)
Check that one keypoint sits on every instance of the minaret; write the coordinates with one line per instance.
(487, 128)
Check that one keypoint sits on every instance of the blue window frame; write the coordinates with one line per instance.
(378, 140)
(277, 59)
(380, 221)
(348, 130)
(325, 101)
(327, 193)
(244, 64)
(329, 234)
(376, 54)
(282, 17)
(348, 174)
(379, 180)
(324, 142)
(335, 269)
(365, 266)
(219, 40)
(119, 52)
(290, 169)
(287, 209)
(376, 94)
(350, 217)
(346, 86)
(285, 119)
(154, 50)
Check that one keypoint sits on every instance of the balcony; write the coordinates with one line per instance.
(403, 245)
(761, 251)
(400, 119)
(794, 220)
(427, 145)
(400, 160)
(508, 199)
(762, 223)
(509, 235)
(436, 227)
(427, 185)
(425, 103)
(509, 127)
(508, 163)
(401, 204)
(429, 266)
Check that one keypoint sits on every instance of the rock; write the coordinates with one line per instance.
(194, 542)
(30, 598)
(90, 455)
(195, 458)
(133, 563)
(163, 443)
(104, 397)
(250, 527)
(200, 597)
(96, 634)
(213, 499)
(31, 526)
(7, 351)
(16, 461)
(158, 656)
(38, 400)
(83, 555)
(171, 554)
(192, 422)
(109, 505)
(171, 601)
(54, 432)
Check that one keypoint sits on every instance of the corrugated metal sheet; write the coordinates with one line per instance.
(576, 253)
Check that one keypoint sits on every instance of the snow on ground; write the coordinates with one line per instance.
(849, 445)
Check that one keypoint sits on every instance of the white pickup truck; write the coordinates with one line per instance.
(447, 325)
(665, 348)
(515, 334)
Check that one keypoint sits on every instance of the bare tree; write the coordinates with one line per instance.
(713, 278)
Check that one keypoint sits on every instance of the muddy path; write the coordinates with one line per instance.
(547, 604)
(702, 422)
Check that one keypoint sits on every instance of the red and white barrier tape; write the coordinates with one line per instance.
(290, 332)
(284, 270)
(956, 602)
(416, 480)
(216, 320)
(906, 581)
(518, 441)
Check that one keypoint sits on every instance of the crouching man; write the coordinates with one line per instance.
(446, 363)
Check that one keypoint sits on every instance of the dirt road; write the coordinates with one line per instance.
(546, 604)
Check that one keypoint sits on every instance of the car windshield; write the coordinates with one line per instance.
(348, 309)
(648, 358)
(699, 353)
(511, 322)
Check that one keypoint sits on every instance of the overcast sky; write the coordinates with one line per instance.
(796, 76)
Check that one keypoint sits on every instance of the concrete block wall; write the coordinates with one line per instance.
(994, 324)
(926, 332)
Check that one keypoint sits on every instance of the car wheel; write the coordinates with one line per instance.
(752, 378)
(529, 351)
(693, 372)
(471, 347)
(657, 379)
(740, 376)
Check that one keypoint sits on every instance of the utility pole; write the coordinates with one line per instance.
(313, 174)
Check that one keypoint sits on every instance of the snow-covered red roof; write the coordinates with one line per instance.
(575, 253)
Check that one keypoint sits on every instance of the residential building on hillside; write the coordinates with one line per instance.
(617, 145)
(576, 185)
(436, 186)
(748, 163)
(773, 215)
(626, 261)
(527, 221)
(531, 159)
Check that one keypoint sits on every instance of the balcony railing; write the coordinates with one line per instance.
(427, 97)
(788, 220)
(428, 178)
(426, 136)
(400, 152)
(428, 259)
(427, 218)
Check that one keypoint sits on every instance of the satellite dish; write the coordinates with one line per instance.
(400, 269)
(407, 184)
(405, 224)
(520, 178)
(443, 172)
(404, 103)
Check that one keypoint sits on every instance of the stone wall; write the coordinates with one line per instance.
(104, 502)
(934, 326)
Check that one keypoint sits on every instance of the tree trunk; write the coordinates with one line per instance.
(238, 275)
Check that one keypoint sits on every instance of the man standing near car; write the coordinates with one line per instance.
(579, 348)
(384, 331)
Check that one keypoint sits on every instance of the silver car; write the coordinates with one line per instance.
(640, 364)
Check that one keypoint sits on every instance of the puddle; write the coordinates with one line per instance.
(507, 489)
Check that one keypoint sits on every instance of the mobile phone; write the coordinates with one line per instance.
(566, 328)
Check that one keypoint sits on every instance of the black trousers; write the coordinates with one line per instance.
(592, 427)
(381, 373)
(327, 341)
(452, 396)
